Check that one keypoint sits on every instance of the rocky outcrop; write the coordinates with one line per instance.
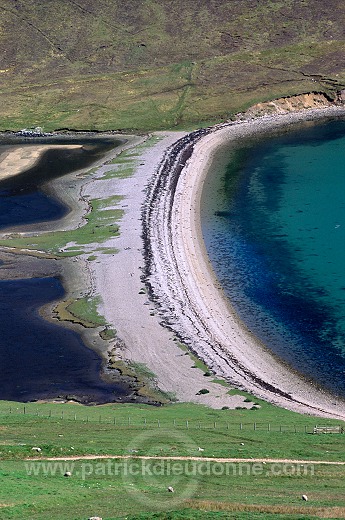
(341, 97)
(291, 104)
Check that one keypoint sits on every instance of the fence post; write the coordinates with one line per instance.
(215, 425)
(227, 425)
(24, 411)
(75, 416)
(129, 421)
(50, 413)
(145, 422)
(174, 423)
(269, 427)
(280, 428)
(187, 424)
(241, 426)
(305, 429)
(62, 415)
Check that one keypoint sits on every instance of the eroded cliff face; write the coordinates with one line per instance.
(292, 104)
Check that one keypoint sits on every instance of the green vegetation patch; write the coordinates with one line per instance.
(83, 311)
(197, 362)
(127, 161)
(108, 333)
(143, 370)
(101, 225)
(86, 309)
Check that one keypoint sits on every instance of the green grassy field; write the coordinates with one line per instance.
(115, 496)
(118, 488)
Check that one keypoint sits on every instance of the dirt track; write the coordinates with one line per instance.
(198, 459)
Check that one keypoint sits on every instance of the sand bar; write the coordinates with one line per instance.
(21, 158)
(126, 306)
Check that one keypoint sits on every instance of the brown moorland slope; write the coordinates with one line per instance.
(148, 64)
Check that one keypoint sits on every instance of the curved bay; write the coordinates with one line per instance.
(273, 219)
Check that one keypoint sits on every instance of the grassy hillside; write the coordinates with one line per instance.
(110, 64)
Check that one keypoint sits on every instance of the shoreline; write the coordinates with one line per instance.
(142, 341)
(183, 295)
(191, 301)
(74, 272)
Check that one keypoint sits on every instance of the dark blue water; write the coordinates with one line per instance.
(24, 199)
(38, 359)
(274, 226)
(20, 208)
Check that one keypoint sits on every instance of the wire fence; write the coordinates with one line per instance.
(119, 421)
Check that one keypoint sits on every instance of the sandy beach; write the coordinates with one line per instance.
(183, 293)
(192, 302)
(21, 158)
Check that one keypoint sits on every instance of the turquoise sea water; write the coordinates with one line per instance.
(273, 219)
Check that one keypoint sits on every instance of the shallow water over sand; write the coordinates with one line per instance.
(274, 226)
